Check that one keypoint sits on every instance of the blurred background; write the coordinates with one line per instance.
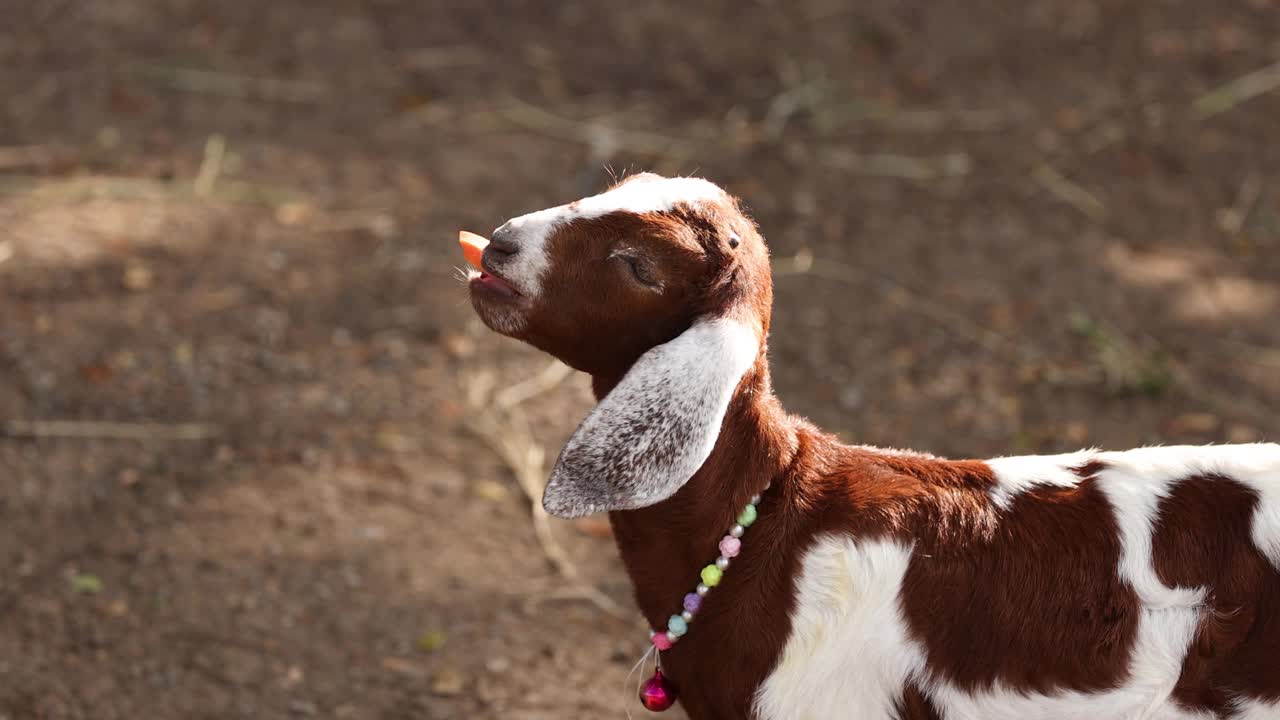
(258, 459)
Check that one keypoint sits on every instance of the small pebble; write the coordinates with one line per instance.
(447, 682)
(138, 277)
(1243, 434)
(459, 346)
(491, 490)
(293, 213)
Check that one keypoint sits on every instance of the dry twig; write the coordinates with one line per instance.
(216, 82)
(440, 58)
(99, 430)
(142, 188)
(786, 104)
(937, 121)
(1232, 220)
(210, 166)
(1238, 91)
(114, 186)
(899, 166)
(548, 379)
(1072, 194)
(1250, 353)
(511, 438)
(29, 156)
(604, 139)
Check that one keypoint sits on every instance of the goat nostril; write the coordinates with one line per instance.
(503, 246)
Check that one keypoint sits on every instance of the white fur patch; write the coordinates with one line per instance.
(1135, 492)
(849, 649)
(526, 270)
(1018, 474)
(642, 195)
(646, 196)
(653, 431)
(1259, 467)
(1257, 710)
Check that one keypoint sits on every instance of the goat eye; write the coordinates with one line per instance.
(638, 269)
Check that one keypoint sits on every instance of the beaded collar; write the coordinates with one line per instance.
(658, 693)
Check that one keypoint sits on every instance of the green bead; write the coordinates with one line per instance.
(711, 576)
(747, 516)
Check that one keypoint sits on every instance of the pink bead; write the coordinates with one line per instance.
(730, 546)
(661, 641)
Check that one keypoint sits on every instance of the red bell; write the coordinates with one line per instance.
(658, 693)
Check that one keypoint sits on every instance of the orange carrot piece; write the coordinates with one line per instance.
(472, 247)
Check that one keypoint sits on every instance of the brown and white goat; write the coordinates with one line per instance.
(875, 583)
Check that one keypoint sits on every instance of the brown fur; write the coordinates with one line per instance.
(1203, 540)
(1049, 612)
(915, 706)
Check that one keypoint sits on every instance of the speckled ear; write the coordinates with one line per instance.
(652, 432)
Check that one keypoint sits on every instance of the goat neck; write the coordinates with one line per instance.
(664, 545)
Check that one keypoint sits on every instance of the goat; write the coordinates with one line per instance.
(873, 583)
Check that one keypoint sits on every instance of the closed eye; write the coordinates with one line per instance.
(639, 270)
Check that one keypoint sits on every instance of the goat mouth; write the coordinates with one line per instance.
(488, 282)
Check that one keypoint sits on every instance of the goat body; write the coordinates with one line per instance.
(876, 583)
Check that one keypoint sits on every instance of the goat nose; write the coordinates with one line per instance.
(501, 244)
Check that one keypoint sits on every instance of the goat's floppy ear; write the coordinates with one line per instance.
(652, 432)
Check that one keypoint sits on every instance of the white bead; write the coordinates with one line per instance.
(768, 485)
(702, 589)
(672, 636)
(688, 616)
(755, 499)
(722, 562)
(736, 531)
(651, 634)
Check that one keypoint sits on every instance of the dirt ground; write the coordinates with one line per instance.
(259, 460)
